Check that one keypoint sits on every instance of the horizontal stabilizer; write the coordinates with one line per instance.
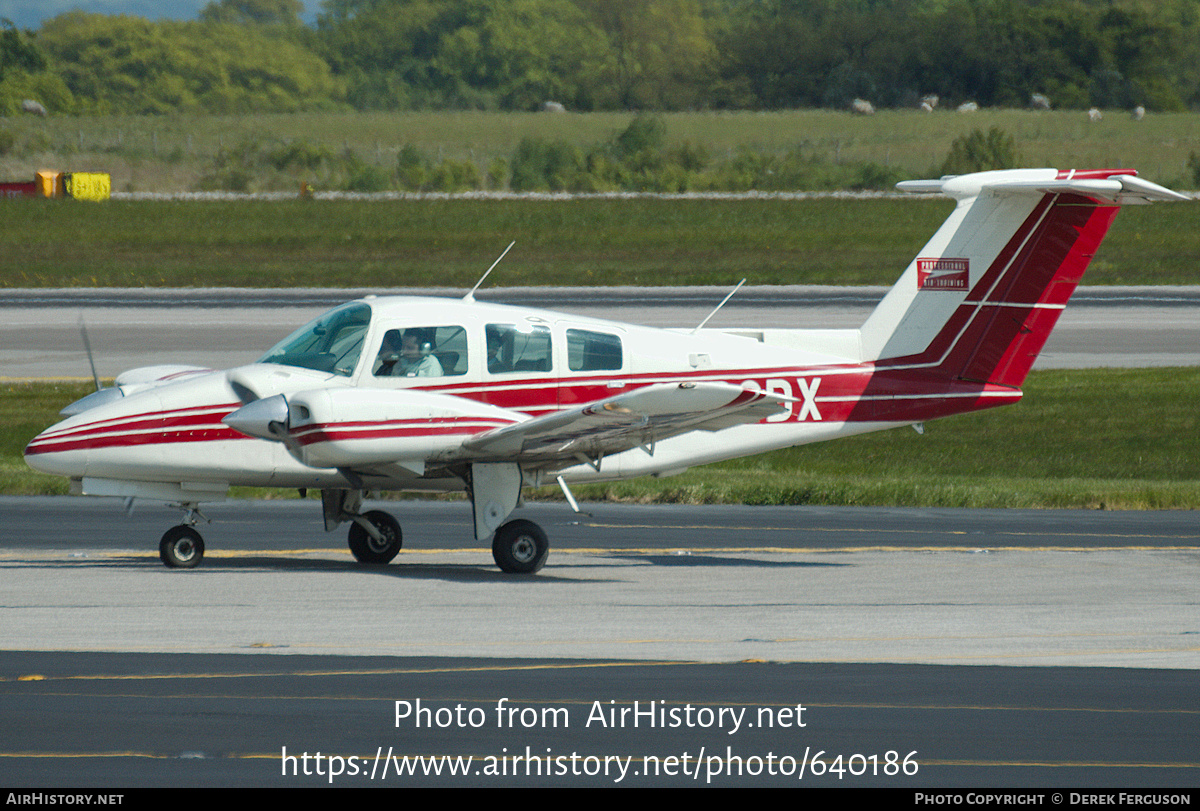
(1122, 189)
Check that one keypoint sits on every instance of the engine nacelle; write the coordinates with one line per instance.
(346, 427)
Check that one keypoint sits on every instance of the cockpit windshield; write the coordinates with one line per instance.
(331, 344)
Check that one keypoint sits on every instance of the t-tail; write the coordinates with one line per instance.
(980, 300)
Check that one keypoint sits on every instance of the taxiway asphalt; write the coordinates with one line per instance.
(682, 583)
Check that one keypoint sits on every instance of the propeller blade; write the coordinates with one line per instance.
(87, 345)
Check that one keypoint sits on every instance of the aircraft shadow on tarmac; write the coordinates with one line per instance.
(459, 572)
(483, 573)
(455, 572)
(692, 559)
(216, 565)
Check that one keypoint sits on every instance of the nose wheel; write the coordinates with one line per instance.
(181, 547)
(520, 547)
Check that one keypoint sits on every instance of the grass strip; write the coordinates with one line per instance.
(355, 243)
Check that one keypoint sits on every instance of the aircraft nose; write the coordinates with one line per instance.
(49, 452)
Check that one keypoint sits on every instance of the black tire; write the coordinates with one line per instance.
(520, 547)
(181, 547)
(368, 550)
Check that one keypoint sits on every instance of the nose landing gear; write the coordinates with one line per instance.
(182, 547)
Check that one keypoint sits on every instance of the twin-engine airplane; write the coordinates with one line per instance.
(431, 394)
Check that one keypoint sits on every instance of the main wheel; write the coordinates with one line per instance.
(181, 547)
(520, 547)
(368, 550)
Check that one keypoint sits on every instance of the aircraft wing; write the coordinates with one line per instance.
(375, 431)
(615, 424)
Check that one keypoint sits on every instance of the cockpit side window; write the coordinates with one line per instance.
(332, 343)
(422, 352)
(518, 348)
(592, 351)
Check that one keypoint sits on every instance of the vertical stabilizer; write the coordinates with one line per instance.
(981, 298)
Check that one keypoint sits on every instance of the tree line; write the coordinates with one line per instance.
(658, 55)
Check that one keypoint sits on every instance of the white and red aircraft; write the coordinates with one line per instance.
(431, 394)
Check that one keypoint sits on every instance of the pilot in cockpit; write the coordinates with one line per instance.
(412, 358)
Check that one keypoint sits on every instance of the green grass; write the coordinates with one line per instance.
(62, 243)
(26, 410)
(165, 153)
(1108, 438)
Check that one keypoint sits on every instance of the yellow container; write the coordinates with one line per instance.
(89, 185)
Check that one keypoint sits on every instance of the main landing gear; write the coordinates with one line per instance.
(520, 547)
(375, 537)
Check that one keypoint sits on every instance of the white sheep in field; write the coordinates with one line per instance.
(862, 107)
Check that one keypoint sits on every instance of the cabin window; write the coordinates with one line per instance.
(592, 351)
(518, 348)
(422, 352)
(332, 343)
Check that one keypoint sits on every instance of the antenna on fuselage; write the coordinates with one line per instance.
(719, 306)
(471, 296)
